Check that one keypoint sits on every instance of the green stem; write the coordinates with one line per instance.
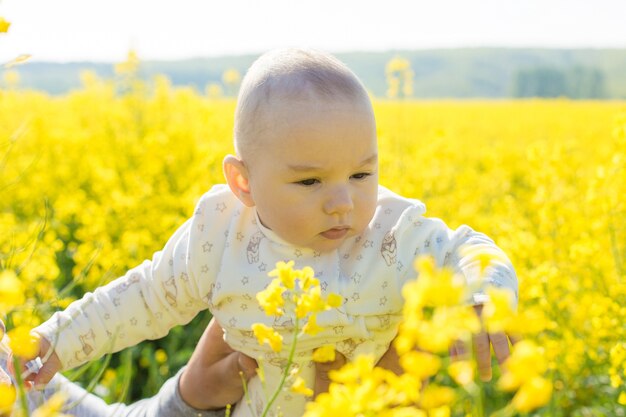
(507, 411)
(292, 352)
(20, 386)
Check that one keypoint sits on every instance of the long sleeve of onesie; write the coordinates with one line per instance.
(446, 247)
(143, 304)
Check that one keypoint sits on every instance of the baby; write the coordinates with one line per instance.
(302, 186)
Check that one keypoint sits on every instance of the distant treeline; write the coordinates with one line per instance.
(577, 82)
(441, 73)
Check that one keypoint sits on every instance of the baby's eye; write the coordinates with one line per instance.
(308, 182)
(361, 175)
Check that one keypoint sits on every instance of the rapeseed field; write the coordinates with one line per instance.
(95, 181)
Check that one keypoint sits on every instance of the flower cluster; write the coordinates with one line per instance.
(296, 293)
(435, 318)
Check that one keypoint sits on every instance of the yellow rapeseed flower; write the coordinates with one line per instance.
(231, 77)
(353, 371)
(160, 356)
(271, 299)
(443, 411)
(334, 300)
(306, 277)
(53, 407)
(462, 372)
(310, 302)
(4, 25)
(532, 394)
(265, 334)
(285, 273)
(11, 291)
(8, 395)
(498, 313)
(324, 353)
(484, 256)
(420, 364)
(311, 326)
(435, 396)
(527, 361)
(299, 387)
(23, 343)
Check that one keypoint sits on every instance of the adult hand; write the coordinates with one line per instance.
(217, 369)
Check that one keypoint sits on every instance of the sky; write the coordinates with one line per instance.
(104, 30)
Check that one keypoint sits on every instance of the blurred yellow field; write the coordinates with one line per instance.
(95, 181)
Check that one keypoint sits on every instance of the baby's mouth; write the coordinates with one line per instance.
(335, 233)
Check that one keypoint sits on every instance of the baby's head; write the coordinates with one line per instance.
(306, 147)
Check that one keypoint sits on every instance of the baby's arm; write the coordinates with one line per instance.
(459, 250)
(144, 304)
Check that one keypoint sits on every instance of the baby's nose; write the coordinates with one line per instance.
(339, 201)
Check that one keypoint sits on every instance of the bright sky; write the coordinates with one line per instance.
(104, 30)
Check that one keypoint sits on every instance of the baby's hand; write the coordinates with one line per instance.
(483, 343)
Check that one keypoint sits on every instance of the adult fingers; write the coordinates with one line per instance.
(247, 365)
(322, 379)
(482, 350)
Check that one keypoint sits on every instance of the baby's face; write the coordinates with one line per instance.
(315, 179)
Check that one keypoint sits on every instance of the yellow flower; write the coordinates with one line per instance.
(306, 277)
(271, 299)
(231, 77)
(130, 66)
(325, 353)
(433, 287)
(52, 407)
(310, 302)
(622, 398)
(311, 326)
(285, 273)
(160, 356)
(462, 372)
(334, 300)
(268, 335)
(8, 395)
(299, 387)
(23, 343)
(498, 313)
(439, 412)
(353, 371)
(397, 64)
(11, 290)
(533, 394)
(485, 256)
(420, 364)
(526, 362)
(436, 396)
(4, 25)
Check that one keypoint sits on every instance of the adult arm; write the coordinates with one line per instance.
(212, 379)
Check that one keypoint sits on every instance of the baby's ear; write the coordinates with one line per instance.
(236, 175)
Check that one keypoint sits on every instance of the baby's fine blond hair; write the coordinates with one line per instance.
(289, 74)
